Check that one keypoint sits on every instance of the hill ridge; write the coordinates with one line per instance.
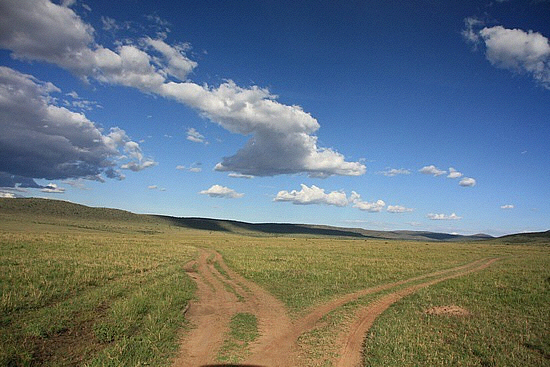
(59, 208)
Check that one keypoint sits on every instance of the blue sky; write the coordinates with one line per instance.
(424, 115)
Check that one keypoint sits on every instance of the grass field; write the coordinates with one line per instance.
(108, 288)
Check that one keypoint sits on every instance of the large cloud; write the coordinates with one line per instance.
(512, 49)
(41, 140)
(373, 207)
(282, 136)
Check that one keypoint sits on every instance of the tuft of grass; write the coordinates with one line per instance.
(243, 329)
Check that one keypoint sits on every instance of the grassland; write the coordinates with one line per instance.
(95, 287)
(90, 292)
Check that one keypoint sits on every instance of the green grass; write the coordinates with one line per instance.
(80, 286)
(89, 297)
(305, 272)
(243, 329)
(508, 322)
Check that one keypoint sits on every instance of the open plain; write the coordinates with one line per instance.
(103, 287)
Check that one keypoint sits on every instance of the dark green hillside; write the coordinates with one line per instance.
(539, 238)
(34, 207)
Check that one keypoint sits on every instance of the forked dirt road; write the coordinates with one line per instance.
(220, 296)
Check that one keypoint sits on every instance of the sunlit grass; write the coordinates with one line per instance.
(304, 272)
(507, 322)
(111, 291)
(90, 296)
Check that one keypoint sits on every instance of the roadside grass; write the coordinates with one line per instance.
(243, 330)
(90, 297)
(507, 321)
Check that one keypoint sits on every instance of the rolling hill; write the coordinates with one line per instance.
(47, 210)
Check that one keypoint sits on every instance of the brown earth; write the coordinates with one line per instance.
(277, 345)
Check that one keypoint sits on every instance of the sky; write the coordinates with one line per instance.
(384, 115)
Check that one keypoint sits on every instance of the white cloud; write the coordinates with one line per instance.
(507, 206)
(240, 175)
(513, 49)
(39, 139)
(390, 172)
(217, 191)
(372, 207)
(453, 173)
(467, 182)
(282, 140)
(194, 136)
(7, 195)
(152, 187)
(398, 209)
(194, 169)
(432, 170)
(471, 32)
(453, 216)
(53, 189)
(312, 195)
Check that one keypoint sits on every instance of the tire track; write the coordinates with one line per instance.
(350, 355)
(277, 344)
(282, 349)
(215, 306)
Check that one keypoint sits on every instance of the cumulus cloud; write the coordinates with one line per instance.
(398, 209)
(432, 170)
(523, 52)
(282, 140)
(312, 195)
(507, 206)
(39, 139)
(467, 182)
(390, 172)
(453, 216)
(372, 207)
(316, 195)
(453, 173)
(217, 191)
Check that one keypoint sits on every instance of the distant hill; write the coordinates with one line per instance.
(27, 208)
(528, 237)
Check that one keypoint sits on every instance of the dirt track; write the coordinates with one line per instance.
(277, 344)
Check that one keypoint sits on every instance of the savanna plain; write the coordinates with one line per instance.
(84, 286)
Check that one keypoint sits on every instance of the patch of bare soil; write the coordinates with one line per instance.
(452, 310)
(277, 344)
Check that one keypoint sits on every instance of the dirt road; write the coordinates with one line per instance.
(221, 294)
